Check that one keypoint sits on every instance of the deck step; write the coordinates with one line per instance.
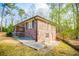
(24, 38)
(28, 41)
(33, 44)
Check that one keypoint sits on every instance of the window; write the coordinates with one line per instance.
(30, 24)
(47, 35)
(26, 26)
(33, 24)
(21, 29)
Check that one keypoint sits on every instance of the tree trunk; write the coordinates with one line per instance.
(77, 21)
(12, 20)
(5, 23)
(59, 19)
(2, 18)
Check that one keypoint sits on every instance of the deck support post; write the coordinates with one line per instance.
(25, 29)
(15, 30)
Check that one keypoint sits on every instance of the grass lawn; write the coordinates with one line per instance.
(64, 50)
(11, 47)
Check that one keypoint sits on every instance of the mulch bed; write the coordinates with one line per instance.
(73, 43)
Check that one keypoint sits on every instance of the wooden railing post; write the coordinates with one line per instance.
(25, 28)
(15, 30)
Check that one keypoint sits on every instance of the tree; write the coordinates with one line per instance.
(21, 13)
(55, 15)
(77, 20)
(5, 6)
(32, 10)
(63, 15)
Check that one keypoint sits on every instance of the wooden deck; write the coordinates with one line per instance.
(31, 43)
(36, 45)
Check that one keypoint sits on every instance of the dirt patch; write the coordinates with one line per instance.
(2, 34)
(74, 42)
(7, 40)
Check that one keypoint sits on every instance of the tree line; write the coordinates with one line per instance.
(7, 12)
(64, 15)
(66, 18)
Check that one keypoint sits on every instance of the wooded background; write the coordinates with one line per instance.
(64, 16)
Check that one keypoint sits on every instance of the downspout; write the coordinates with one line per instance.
(36, 30)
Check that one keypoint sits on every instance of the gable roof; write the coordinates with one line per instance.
(37, 18)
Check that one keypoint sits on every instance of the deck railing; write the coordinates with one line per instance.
(14, 33)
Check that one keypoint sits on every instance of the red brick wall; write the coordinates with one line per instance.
(31, 32)
(44, 28)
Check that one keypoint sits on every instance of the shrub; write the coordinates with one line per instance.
(9, 34)
(4, 29)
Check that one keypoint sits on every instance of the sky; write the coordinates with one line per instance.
(40, 9)
(32, 9)
(27, 7)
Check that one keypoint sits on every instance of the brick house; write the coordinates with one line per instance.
(39, 28)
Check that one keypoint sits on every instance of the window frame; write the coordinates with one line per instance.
(47, 35)
(30, 25)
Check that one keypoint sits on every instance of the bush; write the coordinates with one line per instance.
(9, 34)
(4, 29)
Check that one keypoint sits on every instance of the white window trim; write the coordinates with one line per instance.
(30, 25)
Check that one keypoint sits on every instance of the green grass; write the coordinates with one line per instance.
(64, 50)
(11, 49)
